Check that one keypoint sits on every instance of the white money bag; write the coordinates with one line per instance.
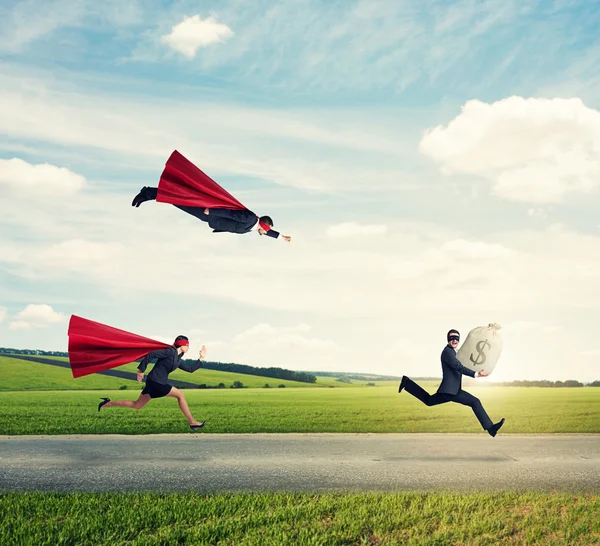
(482, 348)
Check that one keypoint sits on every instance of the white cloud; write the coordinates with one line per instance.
(525, 327)
(358, 300)
(78, 254)
(194, 32)
(28, 21)
(20, 325)
(354, 229)
(459, 262)
(267, 337)
(41, 180)
(537, 213)
(162, 338)
(399, 349)
(196, 332)
(37, 316)
(356, 46)
(265, 345)
(3, 313)
(235, 139)
(71, 258)
(461, 249)
(533, 150)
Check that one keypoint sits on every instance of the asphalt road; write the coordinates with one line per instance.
(300, 462)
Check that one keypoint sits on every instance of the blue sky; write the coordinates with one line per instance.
(436, 163)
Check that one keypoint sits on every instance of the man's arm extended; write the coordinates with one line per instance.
(277, 235)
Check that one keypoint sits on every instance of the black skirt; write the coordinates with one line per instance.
(156, 390)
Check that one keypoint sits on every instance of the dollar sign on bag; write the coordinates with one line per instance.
(480, 348)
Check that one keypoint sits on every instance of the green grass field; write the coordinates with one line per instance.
(409, 519)
(19, 375)
(527, 410)
(44, 400)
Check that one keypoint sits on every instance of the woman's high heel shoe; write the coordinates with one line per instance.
(196, 427)
(104, 401)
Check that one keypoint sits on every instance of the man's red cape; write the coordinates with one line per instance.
(95, 347)
(182, 183)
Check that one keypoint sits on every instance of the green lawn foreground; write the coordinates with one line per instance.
(408, 518)
(378, 410)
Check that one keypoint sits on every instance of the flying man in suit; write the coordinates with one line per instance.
(184, 185)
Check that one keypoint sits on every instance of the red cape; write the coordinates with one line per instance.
(182, 183)
(94, 347)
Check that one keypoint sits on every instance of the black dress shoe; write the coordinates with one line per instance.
(495, 428)
(196, 427)
(104, 401)
(146, 194)
(138, 199)
(402, 383)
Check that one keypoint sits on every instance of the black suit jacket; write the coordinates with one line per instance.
(235, 221)
(452, 371)
(167, 361)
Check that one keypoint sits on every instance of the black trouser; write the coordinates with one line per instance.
(462, 397)
(198, 212)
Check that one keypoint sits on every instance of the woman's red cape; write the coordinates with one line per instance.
(95, 347)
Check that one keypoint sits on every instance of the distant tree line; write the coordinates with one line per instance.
(306, 377)
(542, 383)
(7, 351)
(274, 373)
(368, 377)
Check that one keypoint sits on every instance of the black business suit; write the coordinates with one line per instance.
(220, 220)
(450, 389)
(167, 361)
(232, 221)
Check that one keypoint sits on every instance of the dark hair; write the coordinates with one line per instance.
(450, 332)
(266, 220)
(179, 338)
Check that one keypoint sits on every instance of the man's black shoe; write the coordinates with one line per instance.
(139, 198)
(495, 428)
(146, 194)
(402, 383)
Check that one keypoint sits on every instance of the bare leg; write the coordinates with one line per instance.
(183, 406)
(138, 404)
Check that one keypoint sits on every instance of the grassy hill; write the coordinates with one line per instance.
(23, 375)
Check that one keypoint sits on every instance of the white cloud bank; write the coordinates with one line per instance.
(354, 229)
(263, 344)
(193, 33)
(533, 150)
(38, 180)
(36, 316)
